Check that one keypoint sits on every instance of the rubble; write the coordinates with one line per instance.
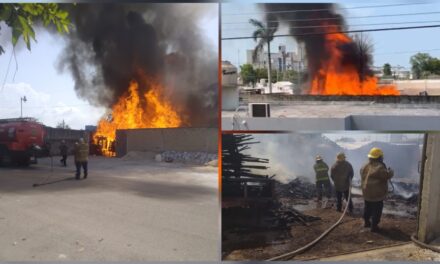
(299, 188)
(199, 158)
(138, 155)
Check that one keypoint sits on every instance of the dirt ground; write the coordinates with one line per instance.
(125, 211)
(349, 236)
(407, 252)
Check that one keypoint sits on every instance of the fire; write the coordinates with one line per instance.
(336, 78)
(135, 110)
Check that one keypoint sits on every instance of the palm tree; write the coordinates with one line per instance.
(264, 35)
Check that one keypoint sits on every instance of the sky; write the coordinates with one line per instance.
(394, 47)
(50, 94)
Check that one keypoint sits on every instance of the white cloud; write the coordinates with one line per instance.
(45, 107)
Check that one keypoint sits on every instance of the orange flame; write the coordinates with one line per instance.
(334, 78)
(130, 112)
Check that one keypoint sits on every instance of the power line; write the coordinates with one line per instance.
(404, 52)
(324, 9)
(333, 25)
(336, 18)
(339, 32)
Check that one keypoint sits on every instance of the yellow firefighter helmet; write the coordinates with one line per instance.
(340, 156)
(375, 153)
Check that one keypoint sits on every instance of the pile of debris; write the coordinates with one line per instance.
(199, 158)
(290, 215)
(405, 191)
(299, 188)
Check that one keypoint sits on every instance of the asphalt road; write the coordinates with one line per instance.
(124, 211)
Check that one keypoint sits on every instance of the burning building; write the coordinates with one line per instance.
(148, 64)
(338, 64)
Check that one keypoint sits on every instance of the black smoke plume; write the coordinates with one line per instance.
(308, 21)
(113, 44)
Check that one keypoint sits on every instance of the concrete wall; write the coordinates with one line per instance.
(230, 98)
(229, 74)
(351, 122)
(429, 217)
(414, 87)
(287, 99)
(167, 139)
(54, 136)
(289, 123)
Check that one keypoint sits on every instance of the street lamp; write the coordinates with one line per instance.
(22, 99)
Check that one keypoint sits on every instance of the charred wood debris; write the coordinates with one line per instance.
(249, 199)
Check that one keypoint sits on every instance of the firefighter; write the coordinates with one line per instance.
(63, 153)
(342, 174)
(374, 179)
(81, 158)
(322, 179)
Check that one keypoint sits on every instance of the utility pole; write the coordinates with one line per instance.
(22, 99)
(238, 58)
(299, 65)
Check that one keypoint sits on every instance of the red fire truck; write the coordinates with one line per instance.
(20, 140)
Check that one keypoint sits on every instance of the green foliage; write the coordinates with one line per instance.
(387, 69)
(422, 65)
(247, 73)
(21, 18)
(263, 35)
(291, 76)
(261, 73)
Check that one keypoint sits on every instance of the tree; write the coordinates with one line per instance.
(364, 51)
(419, 64)
(264, 35)
(422, 65)
(387, 69)
(62, 125)
(21, 18)
(291, 75)
(247, 73)
(260, 74)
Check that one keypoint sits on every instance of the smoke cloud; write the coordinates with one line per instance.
(309, 21)
(293, 155)
(113, 44)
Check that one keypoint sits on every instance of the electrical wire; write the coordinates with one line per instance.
(311, 244)
(338, 18)
(339, 32)
(336, 25)
(324, 9)
(403, 52)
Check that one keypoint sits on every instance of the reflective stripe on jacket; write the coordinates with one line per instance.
(321, 171)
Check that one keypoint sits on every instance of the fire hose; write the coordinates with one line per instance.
(424, 245)
(326, 232)
(49, 176)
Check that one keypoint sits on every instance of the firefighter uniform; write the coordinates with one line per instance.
(81, 158)
(342, 174)
(322, 179)
(374, 180)
(63, 153)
